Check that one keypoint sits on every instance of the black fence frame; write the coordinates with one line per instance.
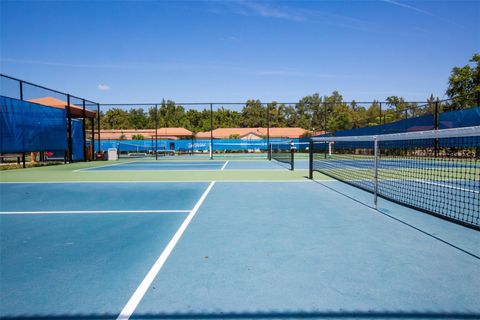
(323, 106)
(68, 155)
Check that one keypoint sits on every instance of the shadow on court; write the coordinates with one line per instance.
(264, 315)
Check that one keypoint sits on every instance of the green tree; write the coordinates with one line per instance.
(277, 115)
(359, 115)
(117, 118)
(464, 85)
(137, 118)
(151, 114)
(171, 115)
(138, 137)
(341, 118)
(225, 118)
(310, 115)
(254, 114)
(373, 114)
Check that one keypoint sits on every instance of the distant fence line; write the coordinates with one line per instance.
(15, 88)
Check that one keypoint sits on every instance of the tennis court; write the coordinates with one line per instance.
(155, 240)
(195, 165)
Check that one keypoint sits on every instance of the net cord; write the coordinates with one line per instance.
(418, 135)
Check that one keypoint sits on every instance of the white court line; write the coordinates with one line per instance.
(105, 165)
(160, 164)
(137, 296)
(165, 181)
(92, 211)
(160, 169)
(226, 162)
(446, 186)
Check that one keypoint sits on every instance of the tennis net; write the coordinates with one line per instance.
(283, 152)
(436, 171)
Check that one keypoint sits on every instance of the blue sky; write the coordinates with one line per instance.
(220, 51)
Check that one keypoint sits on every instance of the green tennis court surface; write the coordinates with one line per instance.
(252, 241)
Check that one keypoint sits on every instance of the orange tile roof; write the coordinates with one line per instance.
(164, 133)
(75, 110)
(225, 133)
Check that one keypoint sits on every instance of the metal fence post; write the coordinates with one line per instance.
(268, 127)
(98, 127)
(211, 131)
(156, 132)
(310, 160)
(380, 107)
(69, 130)
(436, 118)
(21, 98)
(84, 133)
(376, 155)
(325, 125)
(92, 120)
(21, 89)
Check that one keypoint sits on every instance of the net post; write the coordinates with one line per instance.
(292, 157)
(23, 160)
(376, 155)
(270, 151)
(310, 160)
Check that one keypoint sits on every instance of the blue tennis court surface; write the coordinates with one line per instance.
(197, 165)
(228, 250)
(161, 165)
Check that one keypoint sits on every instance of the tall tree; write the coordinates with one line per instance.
(254, 114)
(464, 85)
(117, 118)
(137, 118)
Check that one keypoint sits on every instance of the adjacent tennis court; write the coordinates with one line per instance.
(196, 165)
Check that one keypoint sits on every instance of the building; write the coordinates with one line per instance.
(256, 133)
(75, 111)
(162, 133)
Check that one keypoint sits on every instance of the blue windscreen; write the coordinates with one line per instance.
(451, 119)
(27, 127)
(77, 140)
(460, 118)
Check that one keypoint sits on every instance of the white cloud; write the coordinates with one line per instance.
(272, 10)
(299, 73)
(406, 6)
(265, 10)
(427, 13)
(104, 87)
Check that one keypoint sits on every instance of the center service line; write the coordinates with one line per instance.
(226, 162)
(137, 296)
